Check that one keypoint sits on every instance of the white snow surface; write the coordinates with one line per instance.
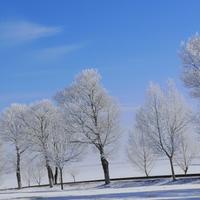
(159, 189)
(94, 172)
(155, 189)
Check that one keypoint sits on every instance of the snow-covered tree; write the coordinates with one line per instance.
(64, 150)
(165, 117)
(73, 172)
(13, 131)
(139, 151)
(40, 122)
(38, 171)
(190, 56)
(93, 114)
(186, 152)
(27, 174)
(33, 168)
(3, 163)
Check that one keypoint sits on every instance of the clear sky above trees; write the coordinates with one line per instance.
(43, 44)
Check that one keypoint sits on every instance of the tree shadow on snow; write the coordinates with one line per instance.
(188, 194)
(150, 182)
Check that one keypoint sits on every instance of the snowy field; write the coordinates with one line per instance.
(188, 188)
(94, 171)
(120, 190)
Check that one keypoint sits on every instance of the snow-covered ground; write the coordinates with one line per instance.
(94, 171)
(120, 190)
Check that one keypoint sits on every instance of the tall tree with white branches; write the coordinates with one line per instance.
(140, 153)
(33, 168)
(40, 123)
(93, 114)
(190, 57)
(186, 152)
(64, 149)
(165, 117)
(13, 131)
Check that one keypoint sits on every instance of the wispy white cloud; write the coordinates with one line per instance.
(53, 53)
(13, 32)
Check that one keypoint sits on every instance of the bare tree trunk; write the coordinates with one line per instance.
(56, 176)
(74, 178)
(50, 175)
(61, 178)
(18, 169)
(145, 167)
(146, 173)
(29, 183)
(105, 166)
(186, 170)
(39, 180)
(172, 168)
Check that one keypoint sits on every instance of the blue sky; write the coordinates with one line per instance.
(44, 44)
